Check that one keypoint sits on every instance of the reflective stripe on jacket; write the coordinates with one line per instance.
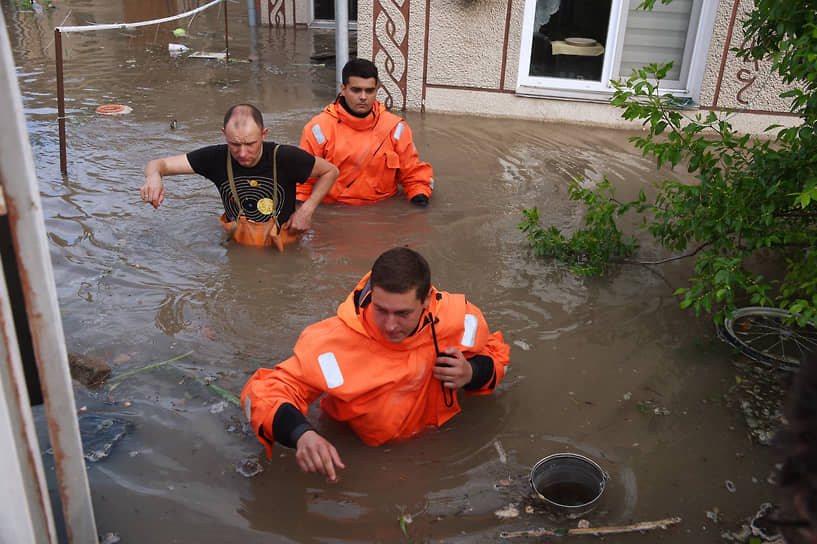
(373, 154)
(384, 391)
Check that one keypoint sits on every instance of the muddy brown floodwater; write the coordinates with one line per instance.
(609, 368)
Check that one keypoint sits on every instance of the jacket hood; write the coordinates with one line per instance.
(355, 313)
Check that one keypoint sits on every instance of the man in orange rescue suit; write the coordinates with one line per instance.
(264, 179)
(372, 148)
(389, 363)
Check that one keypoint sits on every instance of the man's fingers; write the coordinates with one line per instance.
(336, 459)
(328, 469)
(331, 459)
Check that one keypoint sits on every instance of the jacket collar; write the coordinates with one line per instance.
(357, 123)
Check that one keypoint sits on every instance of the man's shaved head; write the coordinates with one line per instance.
(241, 113)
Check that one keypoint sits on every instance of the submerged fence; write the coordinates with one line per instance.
(60, 30)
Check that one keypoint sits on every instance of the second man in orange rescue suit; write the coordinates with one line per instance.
(372, 148)
(389, 364)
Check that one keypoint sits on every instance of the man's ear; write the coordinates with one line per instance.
(222, 131)
(264, 132)
(427, 300)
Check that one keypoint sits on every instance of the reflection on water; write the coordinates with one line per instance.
(138, 286)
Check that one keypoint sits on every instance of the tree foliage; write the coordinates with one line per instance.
(752, 202)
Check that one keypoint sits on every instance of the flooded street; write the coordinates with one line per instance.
(609, 368)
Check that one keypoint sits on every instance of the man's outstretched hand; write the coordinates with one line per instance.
(314, 453)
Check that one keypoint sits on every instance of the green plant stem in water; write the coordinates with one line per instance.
(146, 368)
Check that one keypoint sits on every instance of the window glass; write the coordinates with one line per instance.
(569, 38)
(657, 36)
(325, 9)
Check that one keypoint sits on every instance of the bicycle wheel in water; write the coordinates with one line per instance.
(768, 335)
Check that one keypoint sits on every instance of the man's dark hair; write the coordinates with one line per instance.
(245, 109)
(401, 269)
(359, 68)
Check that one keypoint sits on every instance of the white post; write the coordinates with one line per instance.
(251, 13)
(19, 183)
(341, 39)
(25, 509)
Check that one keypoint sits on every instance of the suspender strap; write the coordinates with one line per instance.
(238, 200)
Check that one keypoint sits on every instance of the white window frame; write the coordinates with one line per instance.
(326, 23)
(695, 57)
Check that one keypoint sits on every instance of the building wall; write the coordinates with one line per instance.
(731, 83)
(462, 56)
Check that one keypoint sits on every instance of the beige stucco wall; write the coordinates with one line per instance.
(465, 43)
(465, 55)
(743, 85)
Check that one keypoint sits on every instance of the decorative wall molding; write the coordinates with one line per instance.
(390, 49)
(277, 12)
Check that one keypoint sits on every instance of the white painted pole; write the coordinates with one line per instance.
(251, 13)
(25, 508)
(341, 39)
(19, 183)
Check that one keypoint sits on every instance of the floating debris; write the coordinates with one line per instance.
(503, 458)
(99, 434)
(249, 467)
(522, 344)
(88, 370)
(583, 524)
(634, 528)
(508, 512)
(730, 486)
(218, 407)
(110, 538)
(758, 393)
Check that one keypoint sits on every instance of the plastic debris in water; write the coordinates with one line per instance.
(179, 32)
(99, 434)
(218, 407)
(249, 467)
(177, 48)
(522, 344)
(508, 512)
(503, 458)
(730, 486)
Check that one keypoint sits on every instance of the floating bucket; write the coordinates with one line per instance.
(569, 482)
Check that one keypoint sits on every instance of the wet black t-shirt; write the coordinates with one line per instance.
(255, 185)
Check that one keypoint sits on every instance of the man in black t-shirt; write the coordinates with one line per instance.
(261, 198)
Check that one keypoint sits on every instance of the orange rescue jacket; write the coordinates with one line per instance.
(384, 391)
(374, 154)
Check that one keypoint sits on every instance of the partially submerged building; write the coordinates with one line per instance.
(554, 59)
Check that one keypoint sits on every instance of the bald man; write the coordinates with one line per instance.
(255, 179)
